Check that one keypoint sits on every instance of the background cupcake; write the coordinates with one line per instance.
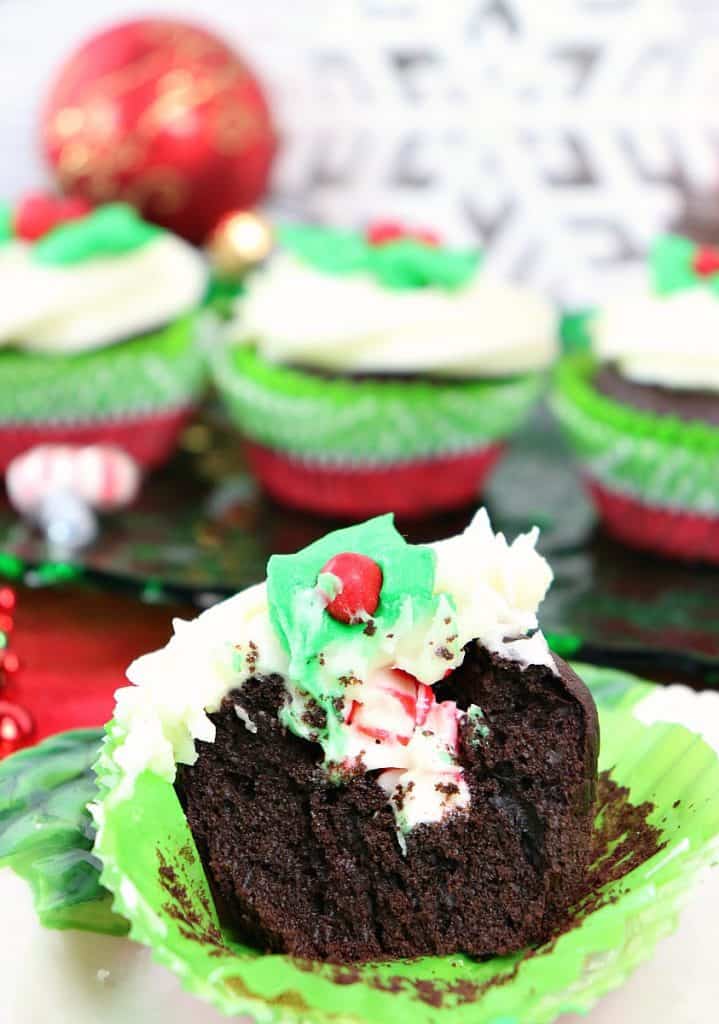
(642, 409)
(97, 329)
(380, 372)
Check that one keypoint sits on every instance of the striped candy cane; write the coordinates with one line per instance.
(102, 476)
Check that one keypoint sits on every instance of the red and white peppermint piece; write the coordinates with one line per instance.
(103, 476)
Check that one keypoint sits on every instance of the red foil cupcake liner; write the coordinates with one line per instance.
(414, 488)
(673, 532)
(150, 438)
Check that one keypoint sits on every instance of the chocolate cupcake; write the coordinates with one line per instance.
(97, 329)
(376, 752)
(642, 410)
(380, 373)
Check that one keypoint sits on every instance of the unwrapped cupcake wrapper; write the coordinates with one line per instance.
(416, 487)
(367, 421)
(160, 887)
(653, 477)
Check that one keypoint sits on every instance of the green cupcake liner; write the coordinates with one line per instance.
(162, 370)
(47, 834)
(661, 460)
(160, 888)
(370, 420)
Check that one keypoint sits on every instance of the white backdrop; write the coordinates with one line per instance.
(562, 134)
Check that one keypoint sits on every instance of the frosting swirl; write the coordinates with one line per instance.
(299, 315)
(662, 325)
(96, 281)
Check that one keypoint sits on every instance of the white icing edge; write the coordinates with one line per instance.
(665, 340)
(488, 328)
(89, 305)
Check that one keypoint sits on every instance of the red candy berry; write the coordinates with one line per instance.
(706, 261)
(361, 581)
(38, 213)
(382, 231)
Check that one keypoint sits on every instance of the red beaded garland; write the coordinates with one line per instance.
(361, 583)
(16, 727)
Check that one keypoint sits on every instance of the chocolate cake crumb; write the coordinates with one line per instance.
(371, 628)
(448, 788)
(300, 864)
(314, 715)
(182, 908)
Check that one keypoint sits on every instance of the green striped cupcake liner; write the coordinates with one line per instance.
(660, 460)
(368, 421)
(46, 836)
(161, 370)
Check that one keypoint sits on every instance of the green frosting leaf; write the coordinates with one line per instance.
(111, 230)
(6, 223)
(673, 268)
(401, 264)
(47, 834)
(307, 631)
(671, 264)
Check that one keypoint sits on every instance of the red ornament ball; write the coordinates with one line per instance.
(361, 580)
(163, 115)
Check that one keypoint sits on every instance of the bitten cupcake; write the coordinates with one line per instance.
(642, 409)
(97, 329)
(376, 753)
(380, 372)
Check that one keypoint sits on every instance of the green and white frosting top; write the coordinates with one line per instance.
(331, 300)
(358, 682)
(664, 329)
(93, 280)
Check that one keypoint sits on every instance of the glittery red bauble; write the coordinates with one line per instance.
(163, 115)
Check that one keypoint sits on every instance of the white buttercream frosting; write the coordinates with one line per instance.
(350, 323)
(666, 340)
(490, 592)
(91, 304)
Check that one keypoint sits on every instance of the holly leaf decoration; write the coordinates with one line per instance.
(47, 833)
(677, 264)
(400, 263)
(111, 230)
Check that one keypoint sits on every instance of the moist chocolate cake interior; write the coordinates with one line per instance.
(301, 865)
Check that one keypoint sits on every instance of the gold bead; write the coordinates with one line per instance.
(240, 241)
